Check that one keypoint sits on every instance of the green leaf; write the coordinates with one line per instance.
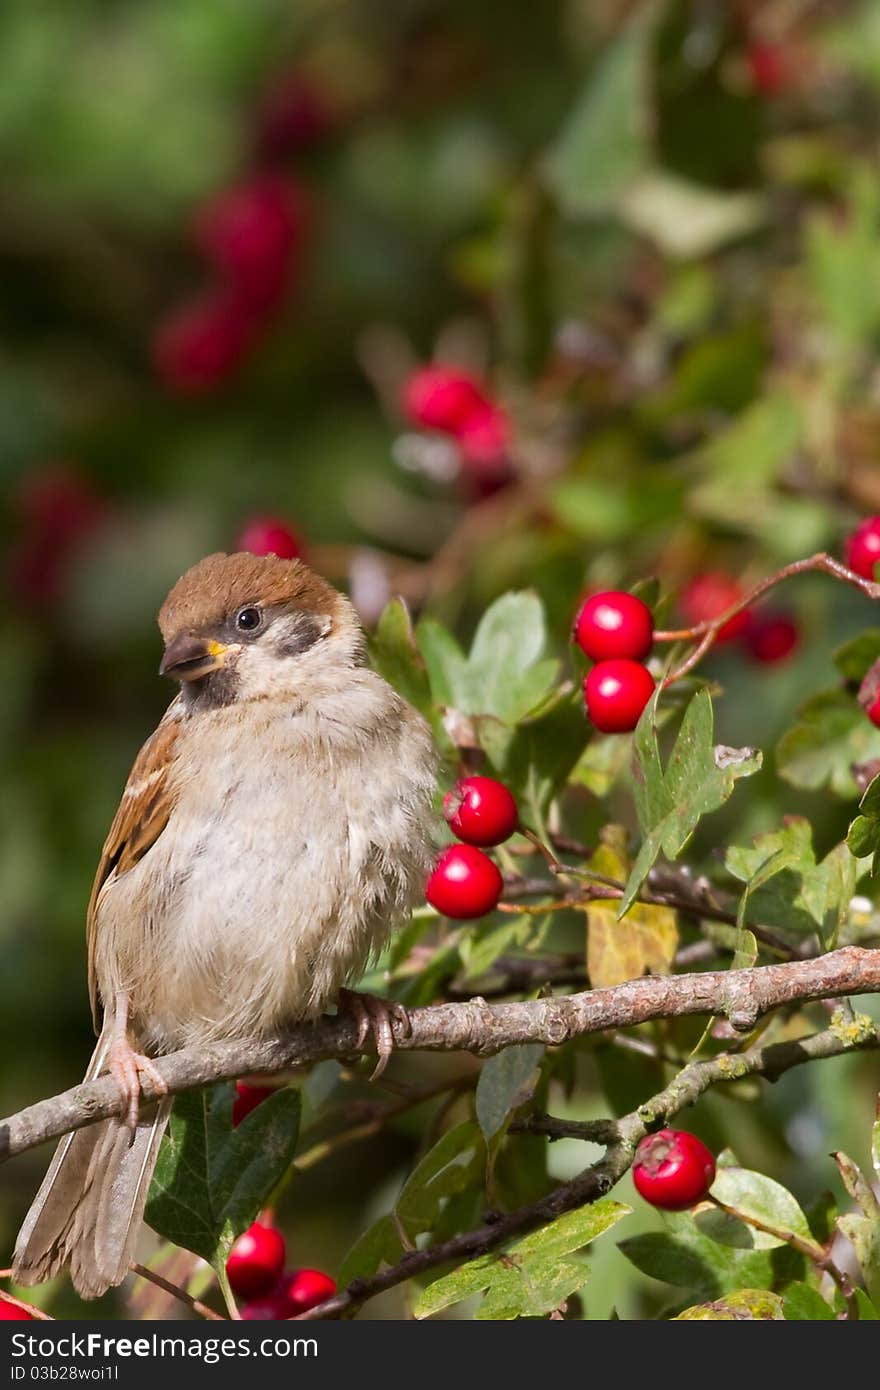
(741, 465)
(455, 1164)
(862, 1227)
(602, 763)
(685, 1257)
(855, 658)
(863, 836)
(745, 1305)
(535, 760)
(605, 142)
(506, 1081)
(534, 1276)
(787, 888)
(843, 264)
(211, 1180)
(754, 1195)
(831, 736)
(687, 219)
(802, 1303)
(698, 779)
(395, 656)
(503, 674)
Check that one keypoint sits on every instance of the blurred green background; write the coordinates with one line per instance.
(652, 229)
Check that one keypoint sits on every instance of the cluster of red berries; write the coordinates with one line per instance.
(466, 883)
(255, 1269)
(455, 403)
(59, 511)
(768, 636)
(673, 1170)
(251, 238)
(615, 630)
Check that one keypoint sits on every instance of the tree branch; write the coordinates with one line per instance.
(769, 1060)
(743, 996)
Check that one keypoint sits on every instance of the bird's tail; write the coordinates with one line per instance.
(88, 1210)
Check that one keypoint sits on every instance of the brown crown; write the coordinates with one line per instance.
(220, 584)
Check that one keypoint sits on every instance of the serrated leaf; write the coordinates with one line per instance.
(643, 942)
(787, 888)
(698, 778)
(802, 1303)
(686, 1258)
(757, 1196)
(505, 1082)
(395, 656)
(830, 737)
(454, 1164)
(687, 219)
(605, 141)
(211, 1180)
(863, 836)
(744, 1305)
(534, 1275)
(855, 658)
(862, 1227)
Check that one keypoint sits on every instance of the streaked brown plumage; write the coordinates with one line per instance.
(273, 829)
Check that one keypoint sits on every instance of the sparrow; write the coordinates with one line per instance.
(274, 829)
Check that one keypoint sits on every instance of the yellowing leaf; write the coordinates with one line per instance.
(644, 941)
(746, 1305)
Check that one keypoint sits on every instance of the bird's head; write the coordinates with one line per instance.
(243, 627)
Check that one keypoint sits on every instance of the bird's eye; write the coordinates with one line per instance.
(248, 619)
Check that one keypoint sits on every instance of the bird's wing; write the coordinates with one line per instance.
(146, 805)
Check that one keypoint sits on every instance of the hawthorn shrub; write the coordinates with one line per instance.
(576, 394)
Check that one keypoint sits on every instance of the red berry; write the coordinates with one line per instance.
(10, 1313)
(465, 883)
(256, 1260)
(481, 811)
(484, 438)
(267, 535)
(771, 637)
(60, 510)
(862, 549)
(305, 1289)
(247, 1099)
(199, 346)
(707, 596)
(272, 1308)
(614, 624)
(616, 692)
(443, 398)
(673, 1169)
(873, 711)
(250, 234)
(293, 115)
(768, 67)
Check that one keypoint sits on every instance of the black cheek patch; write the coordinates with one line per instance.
(308, 631)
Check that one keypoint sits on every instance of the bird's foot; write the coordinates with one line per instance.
(126, 1068)
(378, 1016)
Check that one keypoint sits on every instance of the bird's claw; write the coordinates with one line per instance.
(126, 1068)
(378, 1016)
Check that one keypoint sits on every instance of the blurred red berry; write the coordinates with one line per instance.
(771, 637)
(673, 1169)
(256, 1260)
(873, 711)
(443, 398)
(10, 1313)
(247, 1098)
(769, 68)
(862, 548)
(614, 624)
(200, 345)
(615, 693)
(251, 233)
(267, 535)
(292, 116)
(481, 811)
(60, 510)
(272, 1308)
(304, 1289)
(465, 883)
(484, 438)
(707, 596)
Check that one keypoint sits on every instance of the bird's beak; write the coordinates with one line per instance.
(189, 658)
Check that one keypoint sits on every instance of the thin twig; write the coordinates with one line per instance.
(196, 1304)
